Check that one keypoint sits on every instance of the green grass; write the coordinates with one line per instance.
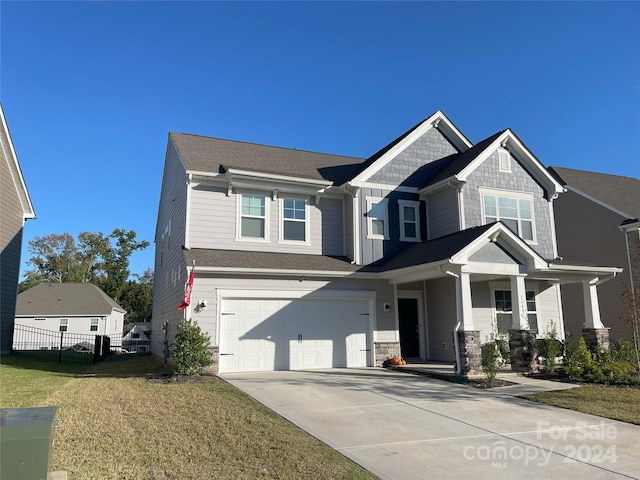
(616, 403)
(120, 421)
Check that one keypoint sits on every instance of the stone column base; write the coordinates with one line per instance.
(470, 352)
(596, 337)
(522, 344)
(386, 350)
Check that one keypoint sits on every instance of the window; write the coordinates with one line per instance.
(135, 336)
(294, 220)
(504, 157)
(253, 216)
(409, 221)
(504, 309)
(514, 211)
(94, 325)
(377, 225)
(64, 323)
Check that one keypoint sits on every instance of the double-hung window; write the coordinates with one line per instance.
(64, 323)
(409, 220)
(504, 308)
(377, 219)
(94, 325)
(514, 210)
(253, 216)
(294, 220)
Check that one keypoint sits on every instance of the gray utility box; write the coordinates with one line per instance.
(26, 438)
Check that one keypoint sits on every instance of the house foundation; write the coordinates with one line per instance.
(522, 344)
(596, 337)
(470, 352)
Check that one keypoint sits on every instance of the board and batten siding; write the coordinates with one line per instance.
(488, 175)
(214, 220)
(442, 213)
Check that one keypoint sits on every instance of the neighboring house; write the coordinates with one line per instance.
(137, 337)
(597, 223)
(15, 209)
(428, 249)
(74, 308)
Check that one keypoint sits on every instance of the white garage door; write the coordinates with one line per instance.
(278, 334)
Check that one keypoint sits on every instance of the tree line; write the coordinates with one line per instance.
(102, 260)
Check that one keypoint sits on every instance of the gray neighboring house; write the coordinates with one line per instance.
(80, 308)
(15, 209)
(428, 249)
(597, 223)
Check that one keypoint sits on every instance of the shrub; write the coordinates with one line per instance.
(190, 349)
(491, 361)
(578, 361)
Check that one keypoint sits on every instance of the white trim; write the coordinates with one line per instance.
(388, 187)
(385, 204)
(504, 160)
(296, 294)
(552, 220)
(599, 202)
(517, 196)
(416, 206)
(234, 172)
(356, 226)
(306, 221)
(267, 215)
(288, 272)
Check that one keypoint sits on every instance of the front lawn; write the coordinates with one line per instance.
(617, 403)
(121, 420)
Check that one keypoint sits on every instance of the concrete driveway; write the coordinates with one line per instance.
(402, 426)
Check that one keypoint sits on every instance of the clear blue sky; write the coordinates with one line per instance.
(91, 89)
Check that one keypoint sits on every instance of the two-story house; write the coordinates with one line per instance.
(427, 249)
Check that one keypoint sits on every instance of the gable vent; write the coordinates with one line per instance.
(505, 160)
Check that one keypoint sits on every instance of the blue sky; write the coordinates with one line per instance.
(90, 90)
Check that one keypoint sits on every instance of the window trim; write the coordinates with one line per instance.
(385, 203)
(306, 221)
(96, 324)
(416, 206)
(511, 195)
(239, 217)
(64, 327)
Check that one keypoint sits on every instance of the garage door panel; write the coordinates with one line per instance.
(276, 334)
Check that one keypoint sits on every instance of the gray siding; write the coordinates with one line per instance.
(170, 269)
(588, 233)
(441, 315)
(12, 221)
(442, 213)
(404, 169)
(213, 224)
(488, 175)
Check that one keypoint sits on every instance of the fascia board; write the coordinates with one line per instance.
(414, 269)
(452, 133)
(630, 227)
(286, 272)
(583, 269)
(234, 174)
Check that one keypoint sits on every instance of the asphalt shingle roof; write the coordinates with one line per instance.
(49, 299)
(620, 192)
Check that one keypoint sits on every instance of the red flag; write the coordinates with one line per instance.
(187, 292)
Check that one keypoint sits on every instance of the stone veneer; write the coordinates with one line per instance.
(385, 351)
(470, 352)
(522, 346)
(213, 368)
(596, 337)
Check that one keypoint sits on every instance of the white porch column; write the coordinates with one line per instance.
(520, 319)
(591, 305)
(463, 302)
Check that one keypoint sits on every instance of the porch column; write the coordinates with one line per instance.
(467, 338)
(520, 318)
(594, 332)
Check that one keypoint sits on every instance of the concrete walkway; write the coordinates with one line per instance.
(402, 426)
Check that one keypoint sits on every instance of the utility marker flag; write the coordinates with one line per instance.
(187, 292)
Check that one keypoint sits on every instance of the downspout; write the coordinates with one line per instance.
(456, 342)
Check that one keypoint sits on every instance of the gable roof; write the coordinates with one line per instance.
(216, 155)
(616, 192)
(60, 299)
(9, 155)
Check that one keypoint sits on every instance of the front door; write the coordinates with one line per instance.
(409, 330)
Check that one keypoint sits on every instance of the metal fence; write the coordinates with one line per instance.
(72, 347)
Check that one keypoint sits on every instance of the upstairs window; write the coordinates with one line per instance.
(64, 323)
(377, 222)
(409, 220)
(294, 220)
(253, 218)
(514, 211)
(94, 325)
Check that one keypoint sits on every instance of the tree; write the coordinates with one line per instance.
(631, 315)
(137, 297)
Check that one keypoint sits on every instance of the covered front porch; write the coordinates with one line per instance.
(491, 287)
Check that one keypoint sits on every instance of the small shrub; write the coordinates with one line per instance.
(190, 349)
(491, 361)
(549, 348)
(578, 361)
